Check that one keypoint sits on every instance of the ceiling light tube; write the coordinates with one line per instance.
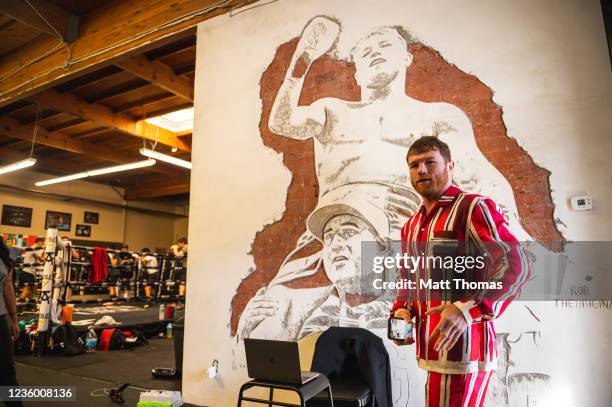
(93, 173)
(19, 165)
(61, 179)
(165, 157)
(122, 167)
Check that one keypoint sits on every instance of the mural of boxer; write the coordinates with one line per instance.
(363, 143)
(357, 139)
(367, 140)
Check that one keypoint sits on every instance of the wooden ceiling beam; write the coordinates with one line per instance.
(61, 141)
(158, 74)
(174, 48)
(154, 110)
(34, 14)
(104, 116)
(158, 189)
(143, 102)
(111, 32)
(113, 92)
(92, 78)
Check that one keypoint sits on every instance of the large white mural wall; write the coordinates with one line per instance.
(304, 112)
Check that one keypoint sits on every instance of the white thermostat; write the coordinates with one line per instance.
(581, 203)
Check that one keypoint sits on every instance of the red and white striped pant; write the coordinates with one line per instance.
(457, 390)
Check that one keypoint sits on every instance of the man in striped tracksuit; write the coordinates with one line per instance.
(454, 331)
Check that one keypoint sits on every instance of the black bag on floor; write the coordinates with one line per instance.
(67, 341)
(141, 339)
(150, 331)
(115, 338)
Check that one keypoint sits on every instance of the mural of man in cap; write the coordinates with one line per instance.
(344, 219)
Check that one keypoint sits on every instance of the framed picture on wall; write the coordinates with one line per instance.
(16, 216)
(83, 230)
(59, 220)
(91, 217)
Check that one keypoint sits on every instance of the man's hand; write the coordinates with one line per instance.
(14, 328)
(450, 328)
(404, 313)
(259, 308)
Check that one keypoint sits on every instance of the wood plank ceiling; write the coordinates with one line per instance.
(91, 117)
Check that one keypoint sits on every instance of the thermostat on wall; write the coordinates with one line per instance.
(581, 203)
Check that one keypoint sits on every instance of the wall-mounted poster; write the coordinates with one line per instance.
(16, 216)
(83, 230)
(59, 220)
(91, 217)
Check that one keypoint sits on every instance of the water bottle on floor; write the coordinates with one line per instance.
(91, 340)
(169, 331)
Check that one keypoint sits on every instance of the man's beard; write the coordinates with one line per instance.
(432, 189)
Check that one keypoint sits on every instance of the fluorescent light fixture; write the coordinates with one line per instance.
(93, 173)
(177, 122)
(61, 179)
(122, 167)
(165, 157)
(19, 165)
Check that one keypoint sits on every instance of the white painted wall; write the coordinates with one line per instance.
(548, 64)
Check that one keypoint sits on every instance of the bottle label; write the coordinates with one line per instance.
(91, 342)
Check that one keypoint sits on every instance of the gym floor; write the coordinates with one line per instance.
(95, 374)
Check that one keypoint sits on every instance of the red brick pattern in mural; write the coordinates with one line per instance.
(430, 79)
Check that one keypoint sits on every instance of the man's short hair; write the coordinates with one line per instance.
(125, 246)
(429, 143)
(145, 250)
(397, 31)
(183, 240)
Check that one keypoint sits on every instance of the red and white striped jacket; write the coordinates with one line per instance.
(480, 227)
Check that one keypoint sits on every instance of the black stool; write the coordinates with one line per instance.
(347, 393)
(305, 391)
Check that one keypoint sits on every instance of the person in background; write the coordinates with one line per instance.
(150, 274)
(9, 329)
(124, 259)
(32, 258)
(180, 251)
(180, 248)
(74, 252)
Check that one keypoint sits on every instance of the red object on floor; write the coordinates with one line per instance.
(170, 311)
(105, 337)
